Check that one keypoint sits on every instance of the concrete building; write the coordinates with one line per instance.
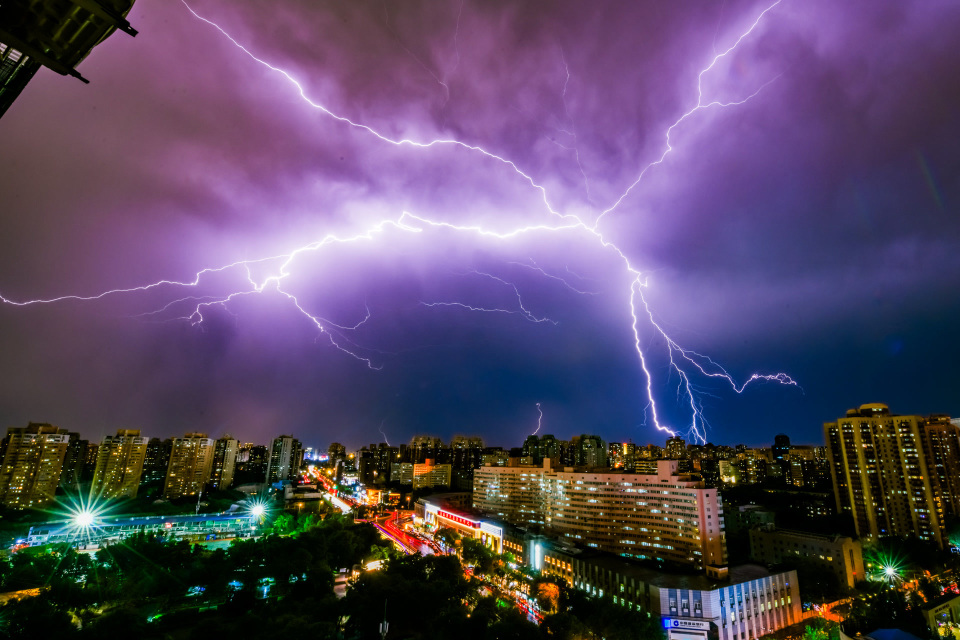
(882, 476)
(402, 472)
(32, 461)
(745, 601)
(839, 554)
(802, 467)
(224, 461)
(112, 529)
(119, 467)
(664, 516)
(191, 463)
(72, 471)
(676, 448)
(748, 601)
(942, 615)
(429, 474)
(156, 461)
(286, 456)
(941, 445)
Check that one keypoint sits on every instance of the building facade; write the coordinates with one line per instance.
(882, 475)
(736, 603)
(841, 555)
(664, 516)
(119, 467)
(32, 461)
(224, 461)
(191, 463)
(57, 34)
(429, 474)
(286, 456)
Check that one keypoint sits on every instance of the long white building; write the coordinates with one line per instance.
(666, 516)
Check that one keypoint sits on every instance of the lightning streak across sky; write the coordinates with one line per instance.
(280, 267)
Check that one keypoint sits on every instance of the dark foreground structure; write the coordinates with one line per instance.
(57, 34)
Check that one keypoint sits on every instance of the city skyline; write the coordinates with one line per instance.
(809, 228)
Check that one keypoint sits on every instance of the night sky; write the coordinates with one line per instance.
(811, 227)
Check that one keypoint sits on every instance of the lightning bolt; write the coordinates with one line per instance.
(535, 267)
(282, 264)
(539, 420)
(521, 309)
(700, 106)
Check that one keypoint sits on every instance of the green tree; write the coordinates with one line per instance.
(476, 554)
(447, 537)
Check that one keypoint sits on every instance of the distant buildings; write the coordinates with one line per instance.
(120, 460)
(32, 461)
(895, 475)
(39, 459)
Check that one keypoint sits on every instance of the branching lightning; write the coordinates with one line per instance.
(525, 313)
(681, 361)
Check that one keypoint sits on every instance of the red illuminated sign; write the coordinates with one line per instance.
(467, 523)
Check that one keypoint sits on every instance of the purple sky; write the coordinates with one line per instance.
(812, 229)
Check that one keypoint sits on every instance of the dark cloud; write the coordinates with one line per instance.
(813, 229)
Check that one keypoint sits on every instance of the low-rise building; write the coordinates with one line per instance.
(722, 603)
(841, 555)
(109, 529)
(943, 615)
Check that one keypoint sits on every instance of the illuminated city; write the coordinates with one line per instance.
(480, 320)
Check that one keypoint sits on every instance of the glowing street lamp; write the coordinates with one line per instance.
(84, 519)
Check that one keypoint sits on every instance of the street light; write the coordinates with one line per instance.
(83, 519)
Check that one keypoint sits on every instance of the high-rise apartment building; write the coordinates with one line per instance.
(286, 456)
(119, 465)
(663, 516)
(676, 448)
(224, 461)
(156, 462)
(801, 466)
(590, 451)
(882, 474)
(32, 462)
(70, 474)
(942, 446)
(90, 461)
(191, 462)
